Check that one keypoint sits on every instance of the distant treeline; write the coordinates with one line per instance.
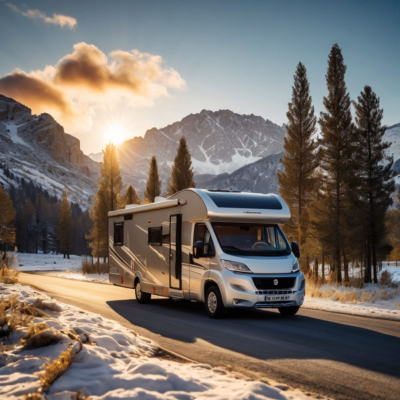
(37, 215)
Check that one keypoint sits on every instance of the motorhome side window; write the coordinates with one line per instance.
(118, 234)
(202, 234)
(155, 236)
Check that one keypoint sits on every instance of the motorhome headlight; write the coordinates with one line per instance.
(235, 266)
(295, 266)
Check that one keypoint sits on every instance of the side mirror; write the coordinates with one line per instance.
(295, 249)
(198, 249)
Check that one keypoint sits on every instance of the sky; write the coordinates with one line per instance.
(110, 70)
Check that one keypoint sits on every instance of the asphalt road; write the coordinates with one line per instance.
(336, 355)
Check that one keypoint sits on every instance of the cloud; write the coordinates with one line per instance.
(56, 19)
(87, 80)
(32, 91)
(139, 73)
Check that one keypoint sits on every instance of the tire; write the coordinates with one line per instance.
(288, 310)
(141, 297)
(214, 305)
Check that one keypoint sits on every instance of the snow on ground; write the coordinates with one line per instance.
(374, 300)
(112, 362)
(56, 265)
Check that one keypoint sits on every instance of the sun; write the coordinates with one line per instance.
(115, 134)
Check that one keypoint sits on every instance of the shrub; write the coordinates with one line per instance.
(95, 268)
(386, 278)
(357, 283)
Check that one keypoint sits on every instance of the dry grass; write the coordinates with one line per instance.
(8, 276)
(58, 366)
(15, 314)
(95, 268)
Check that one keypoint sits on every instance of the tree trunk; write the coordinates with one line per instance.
(323, 264)
(316, 267)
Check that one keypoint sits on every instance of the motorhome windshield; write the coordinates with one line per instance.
(251, 239)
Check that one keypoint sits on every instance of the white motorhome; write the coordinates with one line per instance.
(223, 248)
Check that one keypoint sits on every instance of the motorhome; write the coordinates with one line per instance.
(223, 248)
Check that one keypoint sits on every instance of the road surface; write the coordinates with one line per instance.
(339, 356)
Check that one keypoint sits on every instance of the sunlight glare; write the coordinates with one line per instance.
(115, 134)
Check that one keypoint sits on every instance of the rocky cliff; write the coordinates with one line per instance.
(37, 148)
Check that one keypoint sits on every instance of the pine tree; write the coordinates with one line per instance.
(375, 185)
(182, 171)
(7, 219)
(107, 199)
(297, 182)
(131, 196)
(65, 225)
(153, 184)
(336, 151)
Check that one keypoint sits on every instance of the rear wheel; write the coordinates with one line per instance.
(288, 310)
(214, 304)
(141, 297)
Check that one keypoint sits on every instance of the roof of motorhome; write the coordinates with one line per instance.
(224, 205)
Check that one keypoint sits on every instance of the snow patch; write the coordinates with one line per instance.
(114, 362)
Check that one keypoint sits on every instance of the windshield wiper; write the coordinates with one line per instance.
(236, 249)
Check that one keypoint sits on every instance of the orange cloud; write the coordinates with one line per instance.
(135, 72)
(34, 93)
(56, 19)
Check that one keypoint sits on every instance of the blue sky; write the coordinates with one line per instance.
(237, 55)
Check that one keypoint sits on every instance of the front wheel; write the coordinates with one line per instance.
(288, 310)
(214, 304)
(141, 297)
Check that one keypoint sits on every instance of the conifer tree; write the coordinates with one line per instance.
(297, 182)
(153, 184)
(65, 226)
(393, 228)
(182, 171)
(336, 152)
(131, 196)
(374, 173)
(107, 199)
(7, 219)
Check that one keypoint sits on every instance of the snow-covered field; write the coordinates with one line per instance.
(109, 361)
(56, 265)
(374, 300)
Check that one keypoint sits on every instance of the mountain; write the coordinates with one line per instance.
(260, 176)
(37, 148)
(220, 142)
(392, 135)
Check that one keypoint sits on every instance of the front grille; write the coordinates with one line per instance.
(269, 283)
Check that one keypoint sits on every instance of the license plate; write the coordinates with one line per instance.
(276, 298)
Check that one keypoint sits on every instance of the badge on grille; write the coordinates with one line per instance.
(275, 282)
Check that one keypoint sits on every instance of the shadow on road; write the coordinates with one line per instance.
(267, 335)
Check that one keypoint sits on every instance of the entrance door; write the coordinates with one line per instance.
(175, 251)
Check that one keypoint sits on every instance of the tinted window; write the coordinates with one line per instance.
(245, 200)
(119, 234)
(155, 236)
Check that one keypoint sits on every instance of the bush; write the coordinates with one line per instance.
(386, 278)
(95, 268)
(357, 283)
(8, 273)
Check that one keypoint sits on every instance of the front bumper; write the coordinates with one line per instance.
(240, 292)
